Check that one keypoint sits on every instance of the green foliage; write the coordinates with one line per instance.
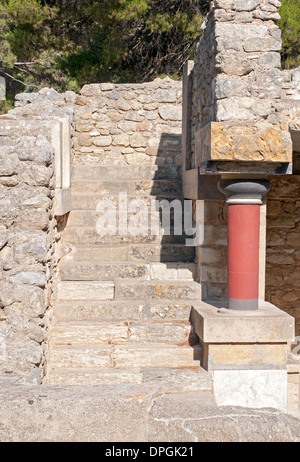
(67, 43)
(290, 27)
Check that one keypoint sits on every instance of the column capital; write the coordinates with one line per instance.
(244, 191)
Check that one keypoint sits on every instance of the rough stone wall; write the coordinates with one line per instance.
(129, 123)
(28, 230)
(283, 246)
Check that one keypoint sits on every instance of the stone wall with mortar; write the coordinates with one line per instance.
(129, 124)
(283, 246)
(28, 230)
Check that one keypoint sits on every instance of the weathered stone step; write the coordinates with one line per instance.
(94, 376)
(123, 172)
(86, 290)
(114, 333)
(159, 290)
(134, 252)
(84, 201)
(79, 356)
(156, 355)
(168, 380)
(99, 271)
(82, 310)
(123, 356)
(89, 218)
(131, 187)
(143, 290)
(90, 236)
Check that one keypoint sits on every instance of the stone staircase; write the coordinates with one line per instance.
(123, 304)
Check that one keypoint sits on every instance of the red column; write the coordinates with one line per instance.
(243, 256)
(244, 198)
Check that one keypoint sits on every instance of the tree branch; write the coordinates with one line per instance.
(17, 80)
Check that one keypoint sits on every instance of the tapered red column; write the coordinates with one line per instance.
(244, 198)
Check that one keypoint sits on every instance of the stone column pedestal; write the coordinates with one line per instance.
(246, 353)
(244, 198)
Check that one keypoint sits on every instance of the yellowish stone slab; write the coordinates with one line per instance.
(232, 141)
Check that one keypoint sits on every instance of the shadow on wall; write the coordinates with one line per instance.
(172, 218)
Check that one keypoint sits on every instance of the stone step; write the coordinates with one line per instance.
(94, 376)
(85, 201)
(158, 290)
(89, 218)
(99, 271)
(123, 356)
(83, 356)
(82, 310)
(134, 252)
(89, 236)
(143, 290)
(114, 333)
(85, 290)
(156, 355)
(131, 187)
(167, 380)
(125, 172)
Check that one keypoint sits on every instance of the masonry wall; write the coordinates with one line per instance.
(28, 231)
(283, 246)
(129, 124)
(236, 75)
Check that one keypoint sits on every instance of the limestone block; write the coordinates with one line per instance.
(102, 141)
(164, 96)
(76, 356)
(220, 325)
(30, 278)
(230, 87)
(173, 271)
(233, 64)
(245, 356)
(152, 355)
(78, 334)
(35, 175)
(86, 290)
(138, 140)
(251, 388)
(30, 247)
(160, 332)
(244, 142)
(246, 5)
(8, 163)
(170, 112)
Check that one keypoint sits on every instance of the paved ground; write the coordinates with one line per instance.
(132, 413)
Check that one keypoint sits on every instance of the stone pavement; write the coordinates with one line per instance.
(131, 413)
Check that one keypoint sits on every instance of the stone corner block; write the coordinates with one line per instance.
(268, 324)
(233, 141)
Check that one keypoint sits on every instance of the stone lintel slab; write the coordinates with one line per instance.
(233, 141)
(214, 323)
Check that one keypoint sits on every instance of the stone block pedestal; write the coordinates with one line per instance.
(246, 352)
